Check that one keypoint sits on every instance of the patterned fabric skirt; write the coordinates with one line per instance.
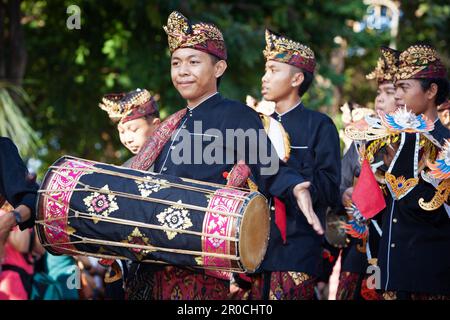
(140, 283)
(284, 285)
(291, 286)
(172, 283)
(246, 289)
(392, 295)
(349, 284)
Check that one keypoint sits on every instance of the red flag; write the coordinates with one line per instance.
(280, 217)
(367, 195)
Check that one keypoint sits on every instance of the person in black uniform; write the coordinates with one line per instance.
(355, 258)
(205, 143)
(413, 253)
(293, 259)
(17, 189)
(137, 116)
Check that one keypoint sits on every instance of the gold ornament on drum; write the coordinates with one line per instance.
(151, 185)
(99, 203)
(136, 237)
(233, 228)
(175, 217)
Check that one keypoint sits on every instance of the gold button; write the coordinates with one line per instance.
(393, 245)
(394, 220)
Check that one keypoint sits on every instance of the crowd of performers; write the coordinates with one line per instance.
(382, 207)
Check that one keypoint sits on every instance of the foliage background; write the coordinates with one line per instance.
(121, 46)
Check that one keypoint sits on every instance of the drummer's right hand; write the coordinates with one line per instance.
(304, 201)
(7, 221)
(347, 196)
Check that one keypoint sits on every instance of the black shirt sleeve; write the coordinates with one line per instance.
(14, 183)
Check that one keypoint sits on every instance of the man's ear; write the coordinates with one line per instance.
(297, 79)
(156, 121)
(446, 117)
(220, 68)
(432, 91)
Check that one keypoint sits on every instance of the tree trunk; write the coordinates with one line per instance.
(18, 53)
(2, 39)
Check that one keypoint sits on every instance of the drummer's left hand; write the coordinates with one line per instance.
(7, 221)
(304, 201)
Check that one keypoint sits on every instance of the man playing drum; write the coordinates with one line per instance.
(198, 61)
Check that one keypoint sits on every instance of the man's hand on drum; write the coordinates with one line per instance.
(7, 221)
(304, 201)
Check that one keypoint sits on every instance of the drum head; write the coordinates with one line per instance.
(254, 233)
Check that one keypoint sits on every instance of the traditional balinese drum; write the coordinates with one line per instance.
(106, 211)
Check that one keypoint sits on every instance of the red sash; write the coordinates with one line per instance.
(154, 145)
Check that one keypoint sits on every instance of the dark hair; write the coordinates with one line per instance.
(214, 60)
(443, 88)
(308, 79)
(152, 115)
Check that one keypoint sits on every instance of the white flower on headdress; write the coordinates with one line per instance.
(405, 120)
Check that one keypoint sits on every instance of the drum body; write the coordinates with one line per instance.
(102, 210)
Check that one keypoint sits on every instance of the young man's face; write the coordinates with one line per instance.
(134, 133)
(409, 93)
(193, 73)
(277, 81)
(385, 100)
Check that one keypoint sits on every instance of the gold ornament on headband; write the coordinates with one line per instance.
(282, 49)
(121, 106)
(386, 65)
(420, 62)
(201, 36)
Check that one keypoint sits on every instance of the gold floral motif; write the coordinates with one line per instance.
(183, 34)
(71, 230)
(375, 146)
(390, 295)
(151, 185)
(101, 204)
(400, 186)
(386, 66)
(277, 45)
(251, 185)
(415, 59)
(175, 217)
(117, 107)
(439, 198)
(199, 260)
(429, 151)
(298, 277)
(373, 261)
(136, 237)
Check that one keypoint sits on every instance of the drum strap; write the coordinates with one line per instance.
(156, 142)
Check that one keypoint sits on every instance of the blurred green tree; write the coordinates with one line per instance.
(121, 46)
